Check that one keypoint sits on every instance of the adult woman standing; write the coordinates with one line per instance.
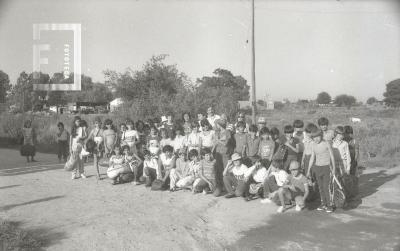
(78, 136)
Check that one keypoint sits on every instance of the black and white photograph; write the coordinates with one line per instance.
(227, 125)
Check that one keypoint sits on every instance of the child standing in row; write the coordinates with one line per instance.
(299, 135)
(252, 145)
(322, 156)
(292, 144)
(266, 147)
(62, 138)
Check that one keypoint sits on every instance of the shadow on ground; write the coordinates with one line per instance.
(11, 186)
(369, 184)
(11, 206)
(30, 169)
(311, 229)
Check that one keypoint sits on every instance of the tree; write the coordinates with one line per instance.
(371, 100)
(345, 100)
(221, 91)
(4, 86)
(152, 91)
(22, 94)
(392, 94)
(323, 98)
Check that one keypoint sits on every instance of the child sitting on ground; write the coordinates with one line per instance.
(235, 177)
(276, 177)
(115, 168)
(256, 176)
(194, 166)
(295, 188)
(208, 182)
(134, 163)
(150, 167)
(181, 176)
(328, 134)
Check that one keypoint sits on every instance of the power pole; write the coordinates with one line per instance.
(253, 67)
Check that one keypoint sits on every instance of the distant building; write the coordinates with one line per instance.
(116, 104)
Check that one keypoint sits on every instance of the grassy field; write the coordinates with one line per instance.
(378, 132)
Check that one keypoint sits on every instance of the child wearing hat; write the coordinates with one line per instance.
(322, 161)
(295, 188)
(235, 179)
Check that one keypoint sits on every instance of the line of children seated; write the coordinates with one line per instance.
(250, 161)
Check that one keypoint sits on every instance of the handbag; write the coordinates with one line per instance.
(158, 185)
(71, 164)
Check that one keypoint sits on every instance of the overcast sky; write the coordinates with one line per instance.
(303, 47)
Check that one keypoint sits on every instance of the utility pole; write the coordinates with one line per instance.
(253, 68)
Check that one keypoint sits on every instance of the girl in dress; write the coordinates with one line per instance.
(29, 141)
(222, 139)
(77, 138)
(131, 136)
(166, 163)
(140, 129)
(109, 137)
(96, 134)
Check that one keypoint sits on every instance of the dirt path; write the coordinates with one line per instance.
(93, 215)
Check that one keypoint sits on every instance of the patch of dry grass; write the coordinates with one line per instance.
(14, 238)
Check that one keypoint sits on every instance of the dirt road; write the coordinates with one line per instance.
(93, 215)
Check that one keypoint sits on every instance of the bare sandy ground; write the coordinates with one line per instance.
(93, 215)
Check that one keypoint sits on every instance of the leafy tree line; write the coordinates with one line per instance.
(156, 89)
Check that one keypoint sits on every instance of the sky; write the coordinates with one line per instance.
(302, 47)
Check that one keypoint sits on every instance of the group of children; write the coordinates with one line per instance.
(210, 155)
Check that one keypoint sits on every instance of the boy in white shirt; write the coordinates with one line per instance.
(235, 179)
(275, 179)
